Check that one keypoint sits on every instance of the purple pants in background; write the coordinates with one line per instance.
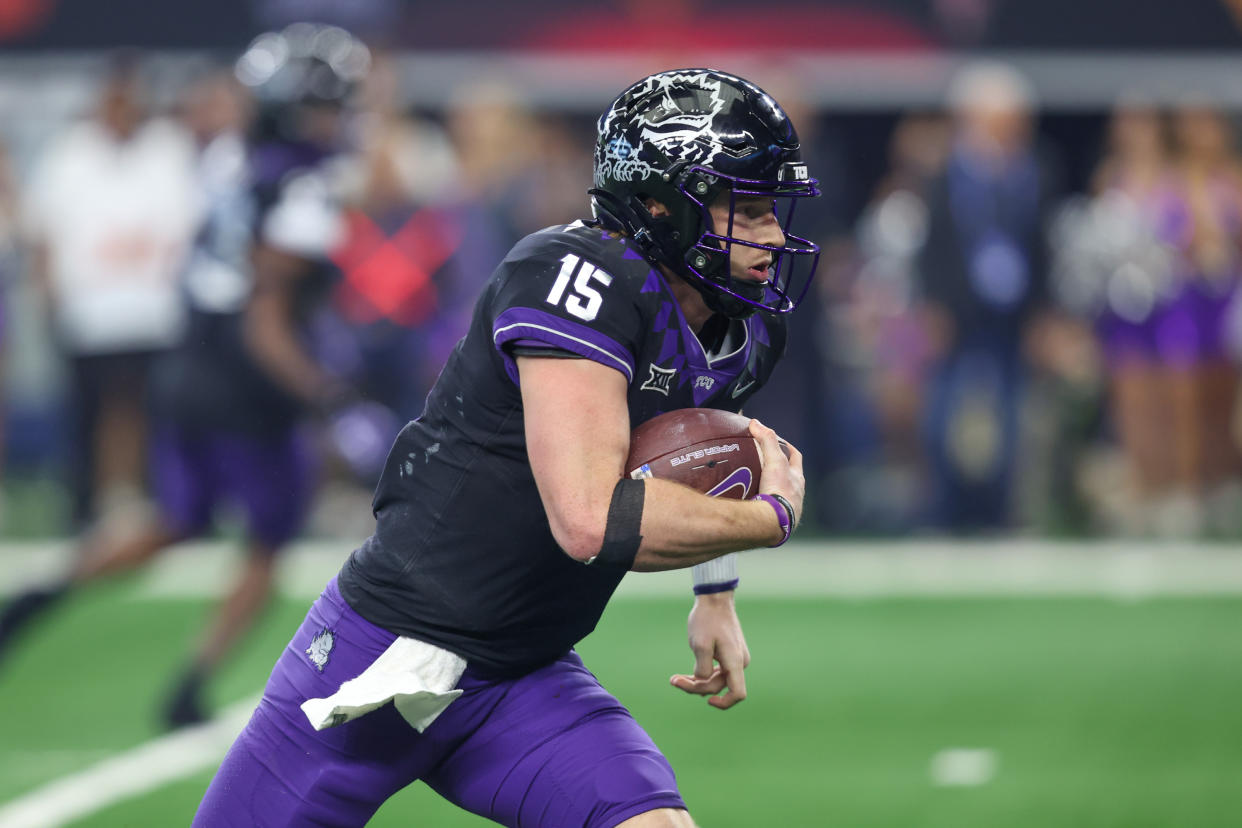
(552, 748)
(270, 479)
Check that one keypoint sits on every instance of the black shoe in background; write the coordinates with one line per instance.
(23, 609)
(184, 706)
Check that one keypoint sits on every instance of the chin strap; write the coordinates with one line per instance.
(720, 302)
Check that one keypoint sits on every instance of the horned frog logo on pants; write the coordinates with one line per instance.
(321, 647)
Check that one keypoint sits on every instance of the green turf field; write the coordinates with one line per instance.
(1096, 712)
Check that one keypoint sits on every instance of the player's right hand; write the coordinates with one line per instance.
(782, 470)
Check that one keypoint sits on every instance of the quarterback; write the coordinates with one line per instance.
(443, 650)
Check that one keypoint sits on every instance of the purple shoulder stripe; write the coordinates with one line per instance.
(528, 324)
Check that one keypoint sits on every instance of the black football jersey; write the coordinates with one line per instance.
(280, 194)
(462, 555)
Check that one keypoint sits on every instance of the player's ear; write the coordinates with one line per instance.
(657, 208)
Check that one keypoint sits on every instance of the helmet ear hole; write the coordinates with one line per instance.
(657, 208)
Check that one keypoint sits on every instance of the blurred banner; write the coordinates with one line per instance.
(1113, 25)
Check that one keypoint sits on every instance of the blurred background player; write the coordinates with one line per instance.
(110, 211)
(232, 397)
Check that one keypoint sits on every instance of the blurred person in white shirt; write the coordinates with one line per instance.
(110, 210)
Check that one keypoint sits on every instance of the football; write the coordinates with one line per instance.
(708, 450)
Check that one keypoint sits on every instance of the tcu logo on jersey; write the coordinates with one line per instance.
(704, 382)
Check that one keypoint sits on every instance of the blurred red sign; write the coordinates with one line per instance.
(19, 18)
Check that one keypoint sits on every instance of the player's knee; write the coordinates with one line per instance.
(638, 782)
(660, 818)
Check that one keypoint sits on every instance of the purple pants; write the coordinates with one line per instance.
(272, 479)
(552, 748)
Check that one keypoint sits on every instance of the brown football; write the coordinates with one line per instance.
(708, 450)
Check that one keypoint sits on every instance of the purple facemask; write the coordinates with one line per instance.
(793, 263)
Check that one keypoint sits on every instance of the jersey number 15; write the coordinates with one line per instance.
(583, 301)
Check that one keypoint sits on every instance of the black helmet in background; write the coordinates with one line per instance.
(301, 78)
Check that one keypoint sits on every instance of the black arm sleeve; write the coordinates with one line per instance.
(625, 518)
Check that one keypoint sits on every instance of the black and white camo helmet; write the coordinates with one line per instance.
(686, 138)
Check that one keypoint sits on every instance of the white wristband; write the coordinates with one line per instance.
(716, 575)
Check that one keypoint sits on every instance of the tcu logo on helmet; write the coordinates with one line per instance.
(688, 136)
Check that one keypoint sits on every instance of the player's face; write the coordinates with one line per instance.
(755, 221)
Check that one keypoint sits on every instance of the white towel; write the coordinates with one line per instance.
(415, 676)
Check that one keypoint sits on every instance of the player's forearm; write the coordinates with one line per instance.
(282, 358)
(681, 528)
(270, 328)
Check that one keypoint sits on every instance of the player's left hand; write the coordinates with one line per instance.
(720, 653)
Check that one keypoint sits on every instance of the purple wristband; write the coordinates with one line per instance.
(782, 516)
(712, 589)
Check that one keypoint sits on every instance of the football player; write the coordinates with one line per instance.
(231, 397)
(443, 650)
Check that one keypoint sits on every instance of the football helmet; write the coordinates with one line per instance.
(304, 66)
(685, 138)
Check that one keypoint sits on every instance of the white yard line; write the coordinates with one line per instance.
(25, 768)
(132, 773)
(1004, 567)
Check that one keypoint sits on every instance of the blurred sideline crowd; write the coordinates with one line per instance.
(1004, 352)
(991, 349)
